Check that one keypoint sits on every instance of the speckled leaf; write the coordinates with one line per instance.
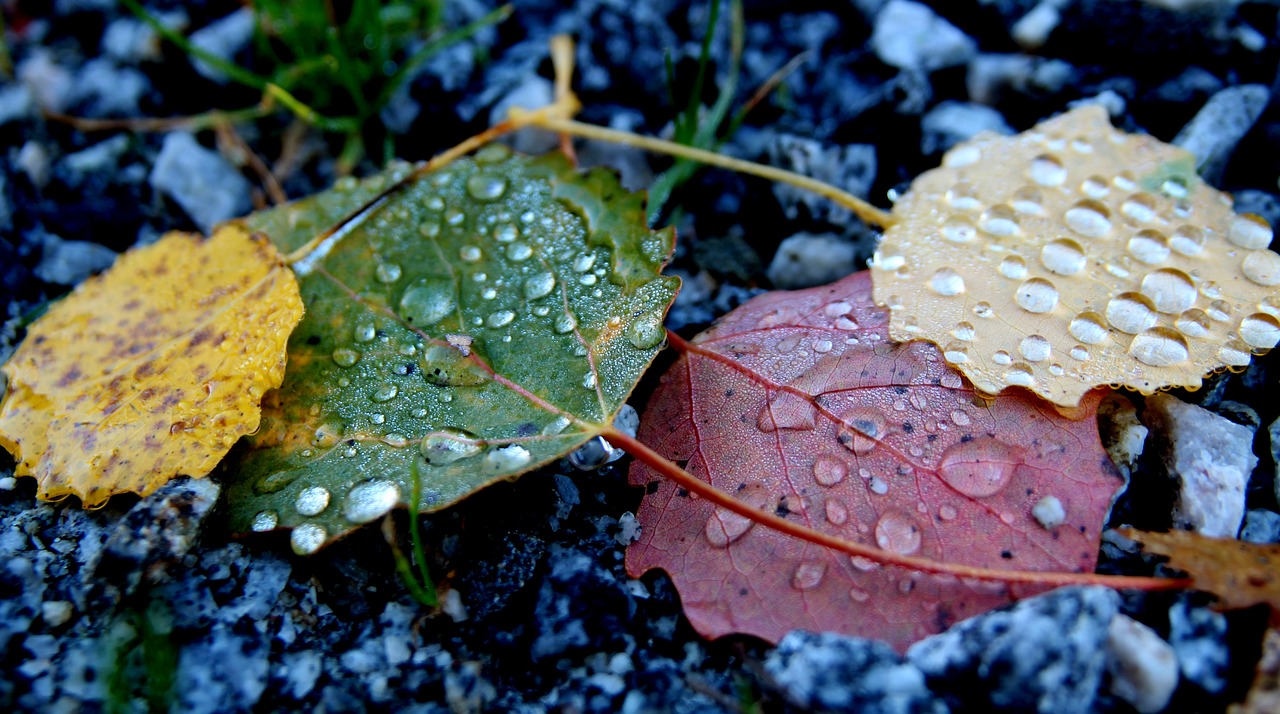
(798, 403)
(151, 370)
(474, 325)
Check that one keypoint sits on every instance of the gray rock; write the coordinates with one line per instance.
(1261, 526)
(102, 157)
(1143, 667)
(1209, 458)
(1033, 29)
(952, 122)
(1198, 636)
(807, 259)
(224, 671)
(1107, 99)
(581, 607)
(33, 160)
(992, 76)
(1045, 654)
(128, 40)
(16, 103)
(299, 671)
(533, 93)
(1212, 134)
(50, 83)
(1240, 413)
(101, 89)
(204, 184)
(222, 38)
(830, 672)
(851, 167)
(68, 262)
(909, 35)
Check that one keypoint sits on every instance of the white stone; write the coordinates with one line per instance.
(1123, 435)
(909, 35)
(223, 38)
(807, 259)
(1209, 457)
(203, 183)
(1143, 667)
(1212, 134)
(1033, 28)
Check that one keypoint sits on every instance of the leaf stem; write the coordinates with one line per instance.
(666, 468)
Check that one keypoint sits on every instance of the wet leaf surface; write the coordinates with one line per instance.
(473, 325)
(799, 404)
(151, 370)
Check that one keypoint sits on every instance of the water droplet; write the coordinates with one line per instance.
(1001, 357)
(505, 233)
(1262, 267)
(837, 514)
(492, 154)
(1026, 200)
(964, 331)
(1020, 374)
(947, 282)
(396, 440)
(588, 279)
(1149, 246)
(1095, 187)
(486, 187)
(385, 393)
(470, 253)
(860, 430)
(435, 203)
(364, 331)
(1047, 170)
(1049, 512)
(565, 323)
(999, 220)
(1250, 231)
(1235, 354)
(962, 197)
(956, 353)
(312, 501)
(1013, 267)
(1035, 348)
(957, 230)
(1130, 312)
(646, 332)
(829, 470)
(307, 538)
(963, 155)
(501, 318)
(519, 252)
(1170, 290)
(980, 467)
(1159, 347)
(454, 217)
(265, 521)
(898, 532)
(725, 526)
(428, 301)
(1260, 331)
(370, 500)
(1219, 311)
(1193, 323)
(1210, 289)
(345, 358)
(1088, 327)
(1036, 295)
(1089, 218)
(808, 575)
(488, 294)
(1174, 187)
(1063, 256)
(1188, 240)
(583, 262)
(449, 445)
(983, 309)
(539, 285)
(1140, 208)
(429, 229)
(1080, 353)
(589, 380)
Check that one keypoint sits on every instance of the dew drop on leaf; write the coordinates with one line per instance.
(312, 501)
(307, 538)
(370, 500)
(449, 445)
(980, 467)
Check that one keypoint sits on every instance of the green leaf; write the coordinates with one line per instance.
(479, 321)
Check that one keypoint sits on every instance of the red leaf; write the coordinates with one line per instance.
(799, 404)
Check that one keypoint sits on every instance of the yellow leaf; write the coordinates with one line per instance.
(152, 369)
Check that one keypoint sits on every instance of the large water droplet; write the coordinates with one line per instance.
(1140, 208)
(312, 501)
(1149, 246)
(519, 252)
(999, 220)
(646, 332)
(829, 470)
(1235, 354)
(1170, 290)
(470, 254)
(345, 358)
(1159, 347)
(500, 318)
(1131, 313)
(1089, 218)
(1262, 267)
(958, 230)
(364, 331)
(539, 285)
(506, 233)
(387, 272)
(1193, 323)
(1095, 187)
(265, 521)
(1260, 331)
(1013, 267)
(1020, 374)
(980, 467)
(1088, 327)
(808, 575)
(1035, 348)
(385, 393)
(725, 526)
(370, 500)
(1188, 240)
(837, 513)
(507, 458)
(1063, 256)
(307, 538)
(947, 282)
(1047, 170)
(486, 186)
(428, 301)
(898, 532)
(449, 445)
(1036, 295)
(565, 323)
(860, 430)
(1250, 231)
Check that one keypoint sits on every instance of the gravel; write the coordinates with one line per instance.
(539, 614)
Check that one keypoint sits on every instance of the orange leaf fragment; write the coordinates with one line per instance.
(153, 369)
(1239, 573)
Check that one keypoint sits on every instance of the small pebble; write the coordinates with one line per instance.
(1143, 667)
